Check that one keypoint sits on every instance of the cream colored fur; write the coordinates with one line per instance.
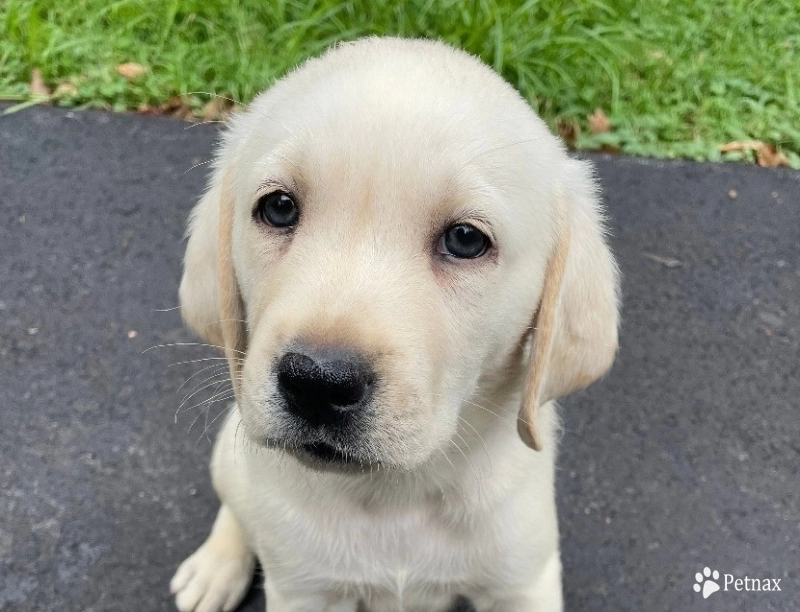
(385, 143)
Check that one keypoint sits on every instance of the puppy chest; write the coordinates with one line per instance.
(389, 554)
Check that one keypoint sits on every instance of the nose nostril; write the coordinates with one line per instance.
(295, 370)
(348, 389)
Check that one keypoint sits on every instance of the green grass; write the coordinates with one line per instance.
(676, 77)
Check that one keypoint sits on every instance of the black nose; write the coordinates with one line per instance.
(324, 386)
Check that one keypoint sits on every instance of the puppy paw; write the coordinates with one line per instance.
(215, 578)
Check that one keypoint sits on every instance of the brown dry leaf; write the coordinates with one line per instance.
(767, 156)
(37, 85)
(178, 107)
(599, 123)
(171, 105)
(669, 262)
(65, 89)
(216, 109)
(745, 145)
(130, 70)
(569, 130)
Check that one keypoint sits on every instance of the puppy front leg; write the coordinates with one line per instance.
(216, 577)
(286, 601)
(544, 594)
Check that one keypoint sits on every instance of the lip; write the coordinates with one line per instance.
(322, 456)
(328, 454)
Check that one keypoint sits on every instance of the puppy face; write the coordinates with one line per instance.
(375, 247)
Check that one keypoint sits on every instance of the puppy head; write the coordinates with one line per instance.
(386, 227)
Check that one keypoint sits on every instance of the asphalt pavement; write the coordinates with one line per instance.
(686, 456)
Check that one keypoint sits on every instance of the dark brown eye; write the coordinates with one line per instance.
(464, 241)
(277, 209)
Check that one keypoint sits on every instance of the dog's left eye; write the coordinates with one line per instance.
(277, 209)
(463, 241)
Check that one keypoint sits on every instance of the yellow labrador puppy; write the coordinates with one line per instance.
(404, 269)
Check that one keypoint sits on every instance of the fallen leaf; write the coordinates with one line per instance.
(216, 109)
(767, 155)
(131, 70)
(65, 89)
(569, 130)
(733, 194)
(176, 106)
(171, 105)
(183, 111)
(669, 262)
(599, 123)
(37, 85)
(746, 145)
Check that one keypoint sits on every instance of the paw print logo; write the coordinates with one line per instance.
(705, 583)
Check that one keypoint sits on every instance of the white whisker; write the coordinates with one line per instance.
(209, 161)
(173, 344)
(218, 383)
(177, 363)
(219, 366)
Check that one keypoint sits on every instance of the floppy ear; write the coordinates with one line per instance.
(575, 325)
(210, 300)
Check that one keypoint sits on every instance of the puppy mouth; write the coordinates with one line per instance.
(328, 457)
(327, 453)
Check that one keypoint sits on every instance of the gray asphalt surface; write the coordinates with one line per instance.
(687, 455)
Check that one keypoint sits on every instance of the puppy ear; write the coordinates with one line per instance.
(199, 291)
(575, 328)
(211, 303)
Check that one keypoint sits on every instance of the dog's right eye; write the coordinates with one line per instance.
(277, 209)
(463, 241)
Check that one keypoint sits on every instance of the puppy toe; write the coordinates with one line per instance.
(187, 598)
(213, 600)
(212, 581)
(182, 576)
